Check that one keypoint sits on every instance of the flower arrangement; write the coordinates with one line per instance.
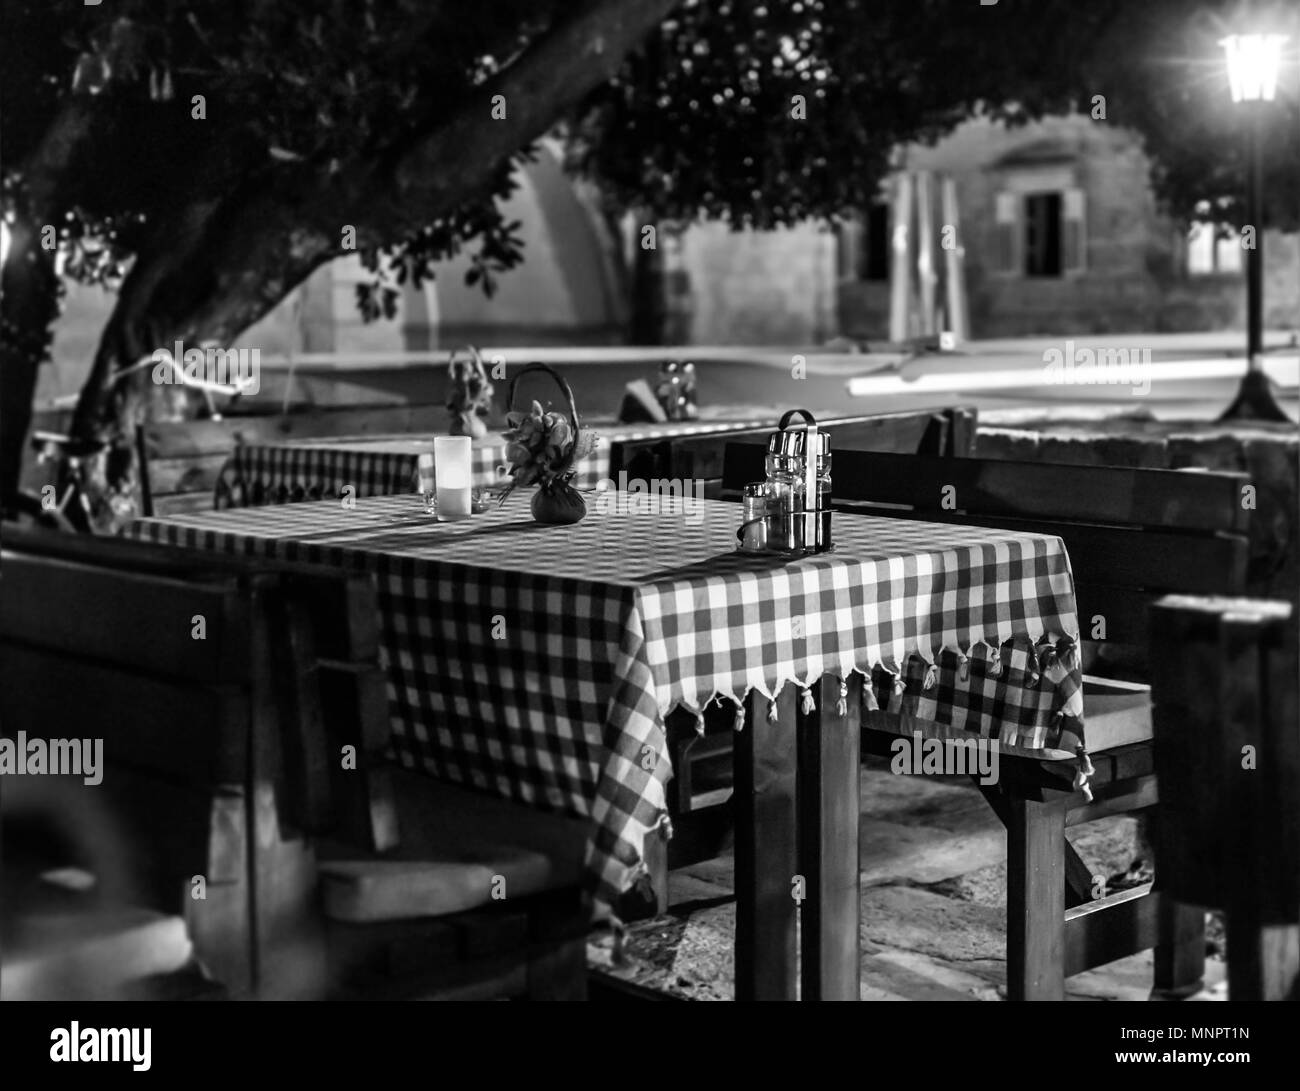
(543, 448)
(469, 395)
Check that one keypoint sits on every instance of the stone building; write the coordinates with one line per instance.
(1062, 235)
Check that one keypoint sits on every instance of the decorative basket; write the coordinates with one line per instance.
(556, 500)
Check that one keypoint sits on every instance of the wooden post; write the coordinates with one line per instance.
(766, 859)
(1228, 758)
(925, 275)
(1035, 899)
(829, 746)
(955, 266)
(1180, 946)
(1263, 959)
(1180, 950)
(900, 268)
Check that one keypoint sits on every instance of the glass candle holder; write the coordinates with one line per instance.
(424, 472)
(753, 529)
(451, 472)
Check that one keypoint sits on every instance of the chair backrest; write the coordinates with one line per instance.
(211, 680)
(939, 432)
(185, 458)
(1132, 535)
(161, 682)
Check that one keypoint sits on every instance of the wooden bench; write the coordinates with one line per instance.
(1227, 750)
(1132, 536)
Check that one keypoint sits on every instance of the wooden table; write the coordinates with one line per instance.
(540, 663)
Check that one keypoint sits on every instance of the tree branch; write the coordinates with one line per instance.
(212, 271)
(584, 49)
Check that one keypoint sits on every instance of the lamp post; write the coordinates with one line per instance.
(1254, 61)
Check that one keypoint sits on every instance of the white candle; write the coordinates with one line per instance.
(451, 471)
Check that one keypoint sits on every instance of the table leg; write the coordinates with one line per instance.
(1035, 899)
(764, 800)
(829, 745)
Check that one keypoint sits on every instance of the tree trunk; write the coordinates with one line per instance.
(649, 297)
(30, 291)
(111, 479)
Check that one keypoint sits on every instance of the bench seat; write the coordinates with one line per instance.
(456, 845)
(1115, 713)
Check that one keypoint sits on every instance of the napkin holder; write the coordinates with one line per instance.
(798, 488)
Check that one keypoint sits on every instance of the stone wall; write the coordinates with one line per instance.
(757, 287)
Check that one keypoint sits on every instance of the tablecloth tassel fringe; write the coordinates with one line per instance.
(963, 669)
(699, 722)
(930, 678)
(809, 706)
(842, 705)
(1085, 770)
(900, 685)
(739, 722)
(869, 695)
(771, 710)
(1071, 657)
(995, 664)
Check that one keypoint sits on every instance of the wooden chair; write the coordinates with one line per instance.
(1227, 749)
(428, 890)
(295, 661)
(944, 433)
(1132, 536)
(246, 832)
(173, 672)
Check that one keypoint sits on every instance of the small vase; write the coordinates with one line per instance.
(558, 505)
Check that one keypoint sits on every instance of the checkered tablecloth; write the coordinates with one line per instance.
(320, 469)
(540, 662)
(282, 473)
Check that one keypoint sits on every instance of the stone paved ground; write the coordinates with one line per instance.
(933, 896)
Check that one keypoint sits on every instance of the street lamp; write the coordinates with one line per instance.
(1254, 61)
